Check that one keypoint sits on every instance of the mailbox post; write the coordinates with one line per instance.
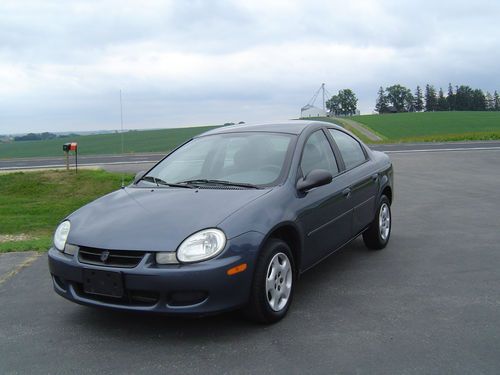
(67, 147)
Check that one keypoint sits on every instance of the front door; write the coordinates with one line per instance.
(326, 216)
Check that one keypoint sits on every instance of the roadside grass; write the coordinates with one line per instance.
(434, 126)
(161, 140)
(33, 203)
(458, 137)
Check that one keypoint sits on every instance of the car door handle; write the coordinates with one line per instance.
(375, 177)
(347, 193)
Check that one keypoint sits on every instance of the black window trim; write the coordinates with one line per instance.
(332, 140)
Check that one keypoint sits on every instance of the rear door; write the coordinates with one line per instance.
(362, 176)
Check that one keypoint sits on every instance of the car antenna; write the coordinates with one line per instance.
(121, 133)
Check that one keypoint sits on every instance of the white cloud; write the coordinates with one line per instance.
(196, 62)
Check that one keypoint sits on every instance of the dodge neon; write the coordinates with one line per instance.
(228, 220)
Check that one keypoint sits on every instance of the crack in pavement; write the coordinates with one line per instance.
(14, 266)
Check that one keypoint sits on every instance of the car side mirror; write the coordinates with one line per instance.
(138, 176)
(315, 178)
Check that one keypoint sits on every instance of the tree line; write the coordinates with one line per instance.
(397, 98)
(41, 136)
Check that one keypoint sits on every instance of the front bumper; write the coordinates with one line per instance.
(198, 288)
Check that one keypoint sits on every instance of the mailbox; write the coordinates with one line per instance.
(73, 146)
(67, 147)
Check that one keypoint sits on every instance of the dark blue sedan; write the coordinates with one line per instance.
(228, 220)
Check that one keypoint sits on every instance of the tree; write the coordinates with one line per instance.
(333, 105)
(451, 98)
(496, 101)
(410, 102)
(348, 102)
(463, 98)
(344, 103)
(381, 104)
(442, 104)
(430, 98)
(478, 100)
(419, 100)
(490, 102)
(400, 98)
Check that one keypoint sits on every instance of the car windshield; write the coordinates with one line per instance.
(248, 159)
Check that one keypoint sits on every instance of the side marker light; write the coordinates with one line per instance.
(237, 269)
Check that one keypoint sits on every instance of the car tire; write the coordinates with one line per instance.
(378, 233)
(273, 284)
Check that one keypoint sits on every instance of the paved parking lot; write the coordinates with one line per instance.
(429, 303)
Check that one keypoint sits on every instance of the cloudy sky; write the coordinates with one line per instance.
(194, 62)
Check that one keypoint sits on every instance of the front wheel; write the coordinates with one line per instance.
(273, 283)
(377, 235)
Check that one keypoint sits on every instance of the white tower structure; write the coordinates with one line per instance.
(310, 110)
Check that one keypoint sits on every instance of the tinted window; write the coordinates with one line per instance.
(351, 150)
(318, 155)
(255, 158)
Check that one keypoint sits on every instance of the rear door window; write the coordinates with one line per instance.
(350, 149)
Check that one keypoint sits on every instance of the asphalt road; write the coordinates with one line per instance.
(91, 160)
(429, 303)
(138, 162)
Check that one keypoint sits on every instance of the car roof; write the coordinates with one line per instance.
(289, 127)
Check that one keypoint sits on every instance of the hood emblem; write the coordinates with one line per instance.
(104, 256)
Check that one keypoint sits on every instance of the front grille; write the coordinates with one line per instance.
(114, 258)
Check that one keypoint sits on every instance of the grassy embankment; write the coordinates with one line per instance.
(430, 126)
(345, 123)
(135, 141)
(33, 203)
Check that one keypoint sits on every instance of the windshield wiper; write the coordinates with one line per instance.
(219, 182)
(159, 181)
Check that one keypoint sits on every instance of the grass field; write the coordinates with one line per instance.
(33, 203)
(135, 141)
(398, 127)
(425, 126)
(434, 126)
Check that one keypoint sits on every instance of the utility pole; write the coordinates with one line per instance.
(323, 89)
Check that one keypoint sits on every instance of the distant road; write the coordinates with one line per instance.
(436, 146)
(90, 160)
(136, 162)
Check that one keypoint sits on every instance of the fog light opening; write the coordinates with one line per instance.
(186, 298)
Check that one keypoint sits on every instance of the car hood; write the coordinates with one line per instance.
(156, 219)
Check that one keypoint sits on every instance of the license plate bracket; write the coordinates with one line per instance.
(103, 283)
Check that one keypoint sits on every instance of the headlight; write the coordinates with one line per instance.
(61, 235)
(201, 246)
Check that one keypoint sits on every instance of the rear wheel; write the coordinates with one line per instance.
(273, 283)
(377, 235)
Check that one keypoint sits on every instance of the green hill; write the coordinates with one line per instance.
(434, 126)
(161, 140)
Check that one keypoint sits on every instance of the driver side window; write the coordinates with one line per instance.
(318, 154)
